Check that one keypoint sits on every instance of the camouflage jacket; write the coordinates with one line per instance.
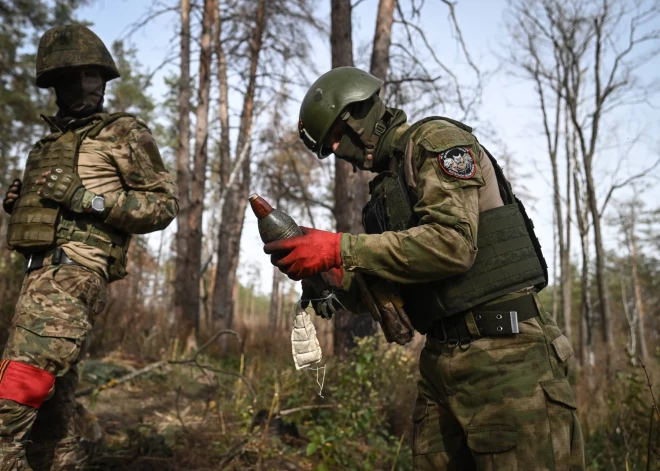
(124, 165)
(447, 201)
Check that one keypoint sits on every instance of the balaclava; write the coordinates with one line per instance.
(80, 92)
(367, 144)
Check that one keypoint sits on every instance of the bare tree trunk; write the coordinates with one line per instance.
(199, 173)
(249, 309)
(603, 294)
(184, 312)
(274, 300)
(588, 151)
(567, 282)
(234, 208)
(587, 311)
(555, 281)
(380, 56)
(278, 311)
(566, 269)
(639, 301)
(341, 33)
(223, 100)
(564, 259)
(351, 188)
(632, 321)
(287, 314)
(587, 355)
(552, 142)
(236, 294)
(282, 323)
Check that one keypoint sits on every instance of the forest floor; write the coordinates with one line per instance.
(256, 412)
(147, 426)
(179, 417)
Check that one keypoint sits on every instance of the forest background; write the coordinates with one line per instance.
(189, 366)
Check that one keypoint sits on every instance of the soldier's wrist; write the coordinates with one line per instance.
(86, 201)
(77, 201)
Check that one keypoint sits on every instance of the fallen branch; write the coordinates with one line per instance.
(234, 451)
(204, 367)
(117, 381)
(298, 409)
(153, 366)
(192, 360)
(196, 353)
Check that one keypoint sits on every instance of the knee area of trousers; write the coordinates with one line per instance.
(25, 384)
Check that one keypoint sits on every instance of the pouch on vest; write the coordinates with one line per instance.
(34, 219)
(388, 209)
(385, 305)
(38, 224)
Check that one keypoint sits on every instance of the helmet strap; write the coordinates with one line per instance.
(369, 134)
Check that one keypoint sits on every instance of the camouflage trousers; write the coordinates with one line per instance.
(54, 315)
(502, 404)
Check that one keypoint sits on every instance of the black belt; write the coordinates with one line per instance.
(499, 318)
(36, 260)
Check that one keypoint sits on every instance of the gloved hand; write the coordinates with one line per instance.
(309, 295)
(309, 254)
(12, 195)
(324, 303)
(333, 278)
(64, 187)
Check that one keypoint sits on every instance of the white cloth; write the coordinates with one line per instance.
(304, 344)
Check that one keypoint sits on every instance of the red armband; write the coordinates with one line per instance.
(23, 383)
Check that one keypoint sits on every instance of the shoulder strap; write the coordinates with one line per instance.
(403, 140)
(106, 119)
(94, 131)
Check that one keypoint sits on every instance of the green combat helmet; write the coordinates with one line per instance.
(72, 46)
(327, 99)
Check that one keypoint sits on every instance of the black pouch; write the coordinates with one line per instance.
(389, 208)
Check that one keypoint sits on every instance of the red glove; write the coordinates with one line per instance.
(311, 253)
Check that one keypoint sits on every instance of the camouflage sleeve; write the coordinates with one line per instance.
(444, 242)
(151, 199)
(349, 293)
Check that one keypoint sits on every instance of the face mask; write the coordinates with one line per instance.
(304, 344)
(360, 140)
(80, 92)
(351, 149)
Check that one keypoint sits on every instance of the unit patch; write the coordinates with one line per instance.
(458, 162)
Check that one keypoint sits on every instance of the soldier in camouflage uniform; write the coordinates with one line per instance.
(450, 251)
(93, 181)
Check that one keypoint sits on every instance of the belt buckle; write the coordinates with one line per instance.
(514, 322)
(510, 325)
(506, 323)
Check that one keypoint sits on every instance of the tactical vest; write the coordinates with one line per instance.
(38, 224)
(509, 256)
